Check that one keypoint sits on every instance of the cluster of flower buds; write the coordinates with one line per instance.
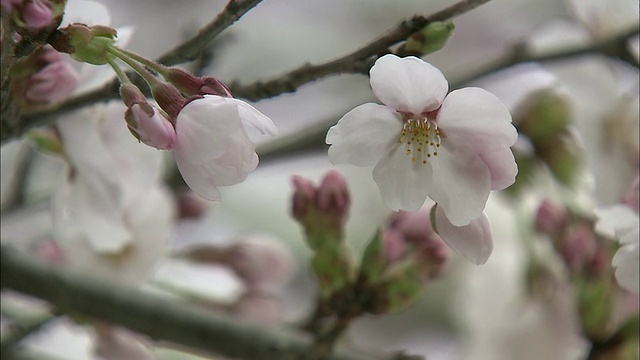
(34, 16)
(574, 239)
(42, 78)
(263, 264)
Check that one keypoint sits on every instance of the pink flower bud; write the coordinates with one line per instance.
(260, 261)
(304, 197)
(395, 245)
(551, 218)
(131, 94)
(191, 205)
(578, 247)
(150, 127)
(333, 195)
(37, 14)
(55, 82)
(213, 86)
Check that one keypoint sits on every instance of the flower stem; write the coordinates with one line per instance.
(146, 74)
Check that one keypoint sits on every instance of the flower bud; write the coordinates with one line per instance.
(322, 211)
(259, 308)
(261, 261)
(333, 268)
(37, 14)
(191, 206)
(551, 219)
(10, 5)
(578, 247)
(333, 196)
(150, 126)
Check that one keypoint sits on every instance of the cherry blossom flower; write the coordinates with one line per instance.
(212, 146)
(453, 148)
(621, 222)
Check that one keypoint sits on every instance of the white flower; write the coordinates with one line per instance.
(212, 147)
(111, 212)
(622, 223)
(473, 241)
(453, 148)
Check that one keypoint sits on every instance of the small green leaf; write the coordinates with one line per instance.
(333, 269)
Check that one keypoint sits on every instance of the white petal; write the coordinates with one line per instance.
(403, 183)
(250, 115)
(473, 241)
(203, 126)
(364, 135)
(476, 118)
(408, 84)
(461, 184)
(615, 221)
(626, 262)
(502, 167)
(198, 178)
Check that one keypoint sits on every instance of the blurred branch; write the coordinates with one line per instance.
(359, 61)
(190, 49)
(157, 317)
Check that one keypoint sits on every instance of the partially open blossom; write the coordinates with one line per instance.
(53, 83)
(43, 78)
(453, 148)
(212, 147)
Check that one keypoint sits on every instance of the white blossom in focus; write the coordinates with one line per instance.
(212, 147)
(453, 148)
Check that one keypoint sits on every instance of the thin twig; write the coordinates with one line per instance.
(359, 61)
(190, 49)
(155, 316)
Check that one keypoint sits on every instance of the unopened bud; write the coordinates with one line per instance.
(304, 197)
(52, 84)
(333, 195)
(149, 126)
(191, 205)
(46, 139)
(131, 94)
(37, 14)
(543, 115)
(578, 247)
(551, 218)
(261, 261)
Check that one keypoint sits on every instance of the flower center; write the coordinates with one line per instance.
(421, 138)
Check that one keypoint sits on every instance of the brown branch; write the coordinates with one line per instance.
(359, 61)
(190, 49)
(155, 316)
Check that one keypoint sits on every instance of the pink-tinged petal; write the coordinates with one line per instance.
(198, 178)
(408, 84)
(461, 184)
(473, 241)
(203, 127)
(364, 135)
(502, 167)
(251, 116)
(403, 183)
(475, 118)
(234, 166)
